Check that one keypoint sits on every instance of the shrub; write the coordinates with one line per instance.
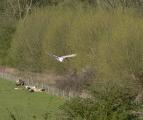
(76, 81)
(109, 103)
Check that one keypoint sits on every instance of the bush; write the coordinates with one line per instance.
(76, 81)
(109, 103)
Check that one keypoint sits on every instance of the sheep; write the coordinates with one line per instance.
(20, 82)
(34, 89)
(27, 87)
(42, 89)
(30, 88)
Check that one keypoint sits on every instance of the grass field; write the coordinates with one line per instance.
(27, 106)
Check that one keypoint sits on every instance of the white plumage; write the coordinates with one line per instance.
(62, 58)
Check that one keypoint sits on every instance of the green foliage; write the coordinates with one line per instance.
(7, 28)
(109, 103)
(109, 42)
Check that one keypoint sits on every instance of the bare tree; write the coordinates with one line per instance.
(19, 8)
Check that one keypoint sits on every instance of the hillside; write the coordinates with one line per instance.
(25, 105)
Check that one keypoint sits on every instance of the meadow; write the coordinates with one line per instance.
(23, 105)
(107, 37)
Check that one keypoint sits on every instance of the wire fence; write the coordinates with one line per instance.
(31, 79)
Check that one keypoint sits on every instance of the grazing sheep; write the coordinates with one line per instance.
(37, 89)
(31, 90)
(42, 89)
(20, 82)
(34, 89)
(27, 87)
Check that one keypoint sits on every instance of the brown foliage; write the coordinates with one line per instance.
(76, 81)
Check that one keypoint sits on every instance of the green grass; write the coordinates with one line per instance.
(25, 105)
